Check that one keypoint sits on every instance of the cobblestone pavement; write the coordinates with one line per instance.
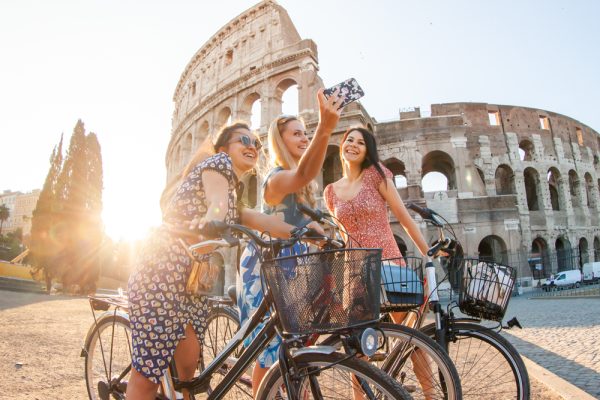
(562, 335)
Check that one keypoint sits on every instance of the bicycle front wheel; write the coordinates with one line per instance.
(333, 376)
(417, 362)
(488, 365)
(221, 325)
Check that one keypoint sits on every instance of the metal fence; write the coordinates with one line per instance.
(541, 265)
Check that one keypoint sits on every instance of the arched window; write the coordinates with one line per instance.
(583, 252)
(438, 169)
(539, 260)
(563, 254)
(223, 117)
(401, 245)
(596, 249)
(589, 190)
(555, 189)
(526, 150)
(505, 180)
(332, 167)
(286, 93)
(493, 248)
(574, 188)
(398, 169)
(532, 183)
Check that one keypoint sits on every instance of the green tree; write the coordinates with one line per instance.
(79, 200)
(4, 214)
(44, 246)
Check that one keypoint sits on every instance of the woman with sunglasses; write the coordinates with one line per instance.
(296, 162)
(166, 320)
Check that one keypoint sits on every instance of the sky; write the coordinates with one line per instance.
(115, 65)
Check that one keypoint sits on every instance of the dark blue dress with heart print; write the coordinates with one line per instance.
(159, 306)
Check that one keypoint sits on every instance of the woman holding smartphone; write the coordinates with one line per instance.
(296, 161)
(360, 200)
(166, 320)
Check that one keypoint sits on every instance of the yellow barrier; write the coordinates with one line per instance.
(15, 270)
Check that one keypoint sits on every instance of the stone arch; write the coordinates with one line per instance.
(596, 249)
(505, 180)
(539, 260)
(223, 117)
(564, 256)
(201, 133)
(532, 189)
(186, 149)
(280, 89)
(555, 189)
(398, 169)
(493, 248)
(440, 162)
(332, 166)
(589, 190)
(574, 189)
(401, 245)
(526, 150)
(249, 108)
(583, 252)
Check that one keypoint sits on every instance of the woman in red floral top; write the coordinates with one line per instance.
(360, 200)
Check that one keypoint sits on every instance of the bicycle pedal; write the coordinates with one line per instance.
(378, 357)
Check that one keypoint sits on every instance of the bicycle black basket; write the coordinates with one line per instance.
(401, 284)
(325, 291)
(485, 288)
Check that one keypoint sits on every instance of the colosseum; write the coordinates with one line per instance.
(521, 184)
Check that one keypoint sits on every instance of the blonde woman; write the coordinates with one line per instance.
(166, 321)
(296, 161)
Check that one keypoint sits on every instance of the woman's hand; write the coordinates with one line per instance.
(329, 110)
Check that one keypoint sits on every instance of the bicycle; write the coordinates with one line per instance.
(304, 372)
(437, 377)
(488, 365)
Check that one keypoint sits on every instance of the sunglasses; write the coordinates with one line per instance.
(247, 141)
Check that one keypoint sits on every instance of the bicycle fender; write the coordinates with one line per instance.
(315, 349)
(104, 315)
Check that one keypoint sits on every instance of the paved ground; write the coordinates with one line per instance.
(562, 335)
(41, 337)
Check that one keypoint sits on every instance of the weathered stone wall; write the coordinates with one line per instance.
(496, 158)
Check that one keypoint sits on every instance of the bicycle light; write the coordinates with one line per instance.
(369, 342)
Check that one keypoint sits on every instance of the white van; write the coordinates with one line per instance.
(563, 280)
(591, 272)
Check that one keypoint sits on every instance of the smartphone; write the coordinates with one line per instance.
(349, 89)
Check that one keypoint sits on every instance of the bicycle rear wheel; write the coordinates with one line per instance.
(417, 362)
(488, 365)
(331, 376)
(108, 358)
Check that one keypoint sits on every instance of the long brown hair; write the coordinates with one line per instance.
(371, 158)
(206, 149)
(280, 155)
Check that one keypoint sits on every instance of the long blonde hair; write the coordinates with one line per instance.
(206, 149)
(280, 155)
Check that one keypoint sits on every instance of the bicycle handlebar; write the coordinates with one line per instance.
(215, 229)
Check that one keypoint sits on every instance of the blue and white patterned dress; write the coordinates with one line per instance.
(249, 286)
(159, 306)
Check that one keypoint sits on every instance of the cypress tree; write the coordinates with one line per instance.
(44, 247)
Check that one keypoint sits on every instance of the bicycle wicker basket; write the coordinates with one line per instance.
(401, 284)
(325, 291)
(485, 288)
